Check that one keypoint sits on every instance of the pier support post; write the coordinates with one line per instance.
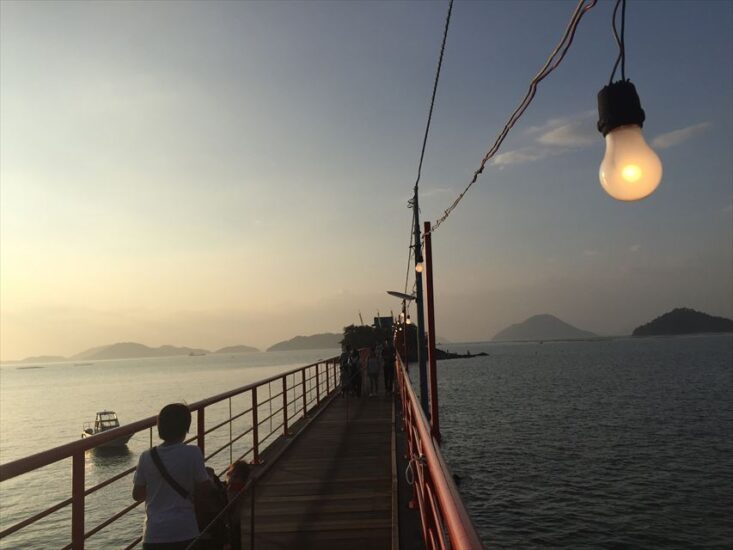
(77, 500)
(305, 402)
(255, 429)
(285, 406)
(200, 429)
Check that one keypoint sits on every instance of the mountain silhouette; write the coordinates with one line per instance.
(327, 340)
(683, 320)
(131, 350)
(542, 327)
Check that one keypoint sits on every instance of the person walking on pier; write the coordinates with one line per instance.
(166, 478)
(344, 368)
(355, 372)
(237, 476)
(388, 359)
(373, 372)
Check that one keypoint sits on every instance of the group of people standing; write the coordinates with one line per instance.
(375, 359)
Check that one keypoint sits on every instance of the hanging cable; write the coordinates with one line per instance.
(432, 99)
(620, 41)
(550, 65)
(412, 202)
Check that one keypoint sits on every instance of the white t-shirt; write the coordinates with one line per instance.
(168, 516)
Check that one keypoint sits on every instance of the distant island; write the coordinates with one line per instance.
(133, 350)
(237, 349)
(542, 327)
(684, 320)
(327, 340)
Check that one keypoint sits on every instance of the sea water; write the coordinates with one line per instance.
(624, 443)
(618, 443)
(44, 407)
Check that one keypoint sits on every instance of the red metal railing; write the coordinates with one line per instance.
(445, 521)
(298, 391)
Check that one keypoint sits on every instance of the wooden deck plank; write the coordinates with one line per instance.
(333, 487)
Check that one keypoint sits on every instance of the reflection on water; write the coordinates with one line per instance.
(109, 456)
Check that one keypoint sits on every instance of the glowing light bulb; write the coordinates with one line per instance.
(419, 267)
(409, 321)
(630, 169)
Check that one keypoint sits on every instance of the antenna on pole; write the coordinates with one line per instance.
(361, 319)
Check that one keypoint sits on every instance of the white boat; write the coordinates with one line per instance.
(105, 420)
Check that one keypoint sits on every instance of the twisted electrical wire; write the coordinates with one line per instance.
(550, 65)
(620, 41)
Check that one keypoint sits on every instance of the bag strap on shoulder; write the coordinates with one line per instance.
(163, 472)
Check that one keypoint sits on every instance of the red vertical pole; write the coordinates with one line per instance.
(77, 500)
(285, 405)
(404, 335)
(200, 429)
(255, 429)
(433, 376)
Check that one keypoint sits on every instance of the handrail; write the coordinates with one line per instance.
(440, 504)
(44, 458)
(307, 389)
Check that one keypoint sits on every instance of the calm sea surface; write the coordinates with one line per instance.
(612, 444)
(622, 443)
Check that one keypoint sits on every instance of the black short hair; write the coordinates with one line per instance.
(240, 470)
(174, 420)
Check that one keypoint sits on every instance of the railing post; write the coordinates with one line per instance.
(231, 450)
(200, 429)
(328, 377)
(285, 405)
(318, 384)
(77, 500)
(255, 429)
(305, 404)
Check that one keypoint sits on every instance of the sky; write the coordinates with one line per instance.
(210, 174)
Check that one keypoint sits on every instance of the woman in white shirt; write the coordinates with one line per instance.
(168, 486)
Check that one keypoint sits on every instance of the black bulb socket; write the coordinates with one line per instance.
(619, 105)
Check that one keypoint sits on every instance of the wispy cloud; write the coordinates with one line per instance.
(675, 137)
(555, 137)
(520, 156)
(572, 132)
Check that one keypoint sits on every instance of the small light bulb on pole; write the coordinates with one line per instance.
(419, 267)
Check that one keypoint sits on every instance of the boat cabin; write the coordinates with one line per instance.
(106, 420)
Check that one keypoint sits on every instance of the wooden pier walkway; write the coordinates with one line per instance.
(332, 488)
